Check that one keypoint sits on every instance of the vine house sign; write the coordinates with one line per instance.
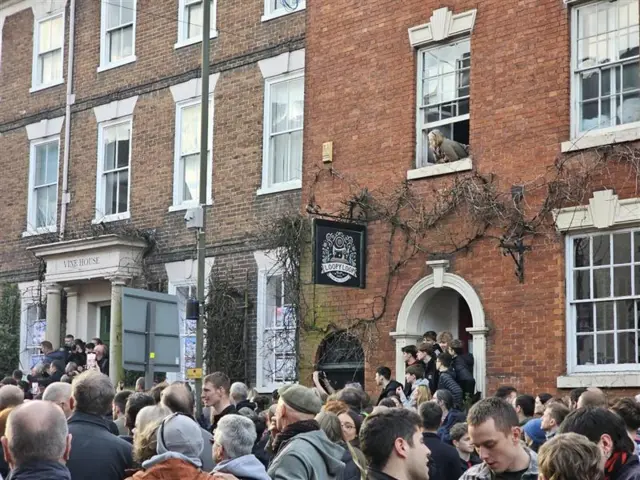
(339, 253)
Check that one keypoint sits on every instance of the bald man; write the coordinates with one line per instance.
(60, 394)
(11, 396)
(178, 398)
(37, 442)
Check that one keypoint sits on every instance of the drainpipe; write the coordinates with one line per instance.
(71, 98)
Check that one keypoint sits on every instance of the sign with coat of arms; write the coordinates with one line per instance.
(339, 253)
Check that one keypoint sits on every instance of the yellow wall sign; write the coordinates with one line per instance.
(194, 373)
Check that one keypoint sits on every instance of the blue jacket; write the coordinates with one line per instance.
(56, 355)
(454, 416)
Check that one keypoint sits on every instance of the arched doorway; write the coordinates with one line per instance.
(341, 357)
(443, 301)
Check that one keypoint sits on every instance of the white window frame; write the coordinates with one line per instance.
(270, 13)
(32, 203)
(572, 343)
(268, 187)
(178, 204)
(35, 70)
(420, 124)
(183, 30)
(595, 137)
(104, 47)
(267, 267)
(100, 177)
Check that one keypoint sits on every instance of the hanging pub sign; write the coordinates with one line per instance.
(339, 253)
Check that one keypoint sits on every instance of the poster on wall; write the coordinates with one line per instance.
(339, 253)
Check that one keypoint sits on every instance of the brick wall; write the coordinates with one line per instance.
(361, 94)
(237, 213)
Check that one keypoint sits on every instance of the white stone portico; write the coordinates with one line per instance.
(92, 271)
(411, 326)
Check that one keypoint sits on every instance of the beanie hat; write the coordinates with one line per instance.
(301, 399)
(180, 434)
(533, 429)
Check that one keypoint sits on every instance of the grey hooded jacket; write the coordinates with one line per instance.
(247, 467)
(308, 456)
(483, 472)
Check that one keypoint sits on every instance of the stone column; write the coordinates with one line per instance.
(72, 311)
(116, 372)
(402, 340)
(480, 357)
(52, 332)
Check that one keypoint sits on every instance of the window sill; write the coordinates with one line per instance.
(186, 206)
(37, 88)
(39, 231)
(280, 187)
(599, 138)
(440, 169)
(604, 380)
(193, 41)
(109, 66)
(281, 12)
(111, 218)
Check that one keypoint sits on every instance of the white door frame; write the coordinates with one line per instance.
(409, 317)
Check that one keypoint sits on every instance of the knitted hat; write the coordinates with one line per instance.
(534, 431)
(180, 434)
(301, 399)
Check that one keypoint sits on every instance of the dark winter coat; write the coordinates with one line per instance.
(464, 376)
(444, 463)
(351, 470)
(630, 471)
(56, 355)
(41, 471)
(431, 374)
(96, 453)
(446, 381)
(389, 390)
(454, 416)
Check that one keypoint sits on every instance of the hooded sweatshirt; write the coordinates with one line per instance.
(309, 456)
(247, 467)
(412, 400)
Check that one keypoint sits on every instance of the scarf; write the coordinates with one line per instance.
(291, 431)
(614, 464)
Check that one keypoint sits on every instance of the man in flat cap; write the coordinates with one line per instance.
(301, 449)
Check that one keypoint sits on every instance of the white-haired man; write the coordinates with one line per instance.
(60, 394)
(233, 442)
(239, 394)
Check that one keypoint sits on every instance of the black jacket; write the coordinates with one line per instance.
(96, 453)
(103, 365)
(246, 404)
(389, 390)
(431, 374)
(48, 380)
(41, 471)
(446, 381)
(444, 463)
(351, 470)
(474, 459)
(464, 376)
(630, 470)
(373, 474)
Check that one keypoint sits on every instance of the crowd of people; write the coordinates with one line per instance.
(434, 427)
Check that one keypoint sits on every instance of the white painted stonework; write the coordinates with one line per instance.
(605, 210)
(92, 258)
(284, 63)
(116, 109)
(45, 128)
(407, 327)
(192, 88)
(443, 24)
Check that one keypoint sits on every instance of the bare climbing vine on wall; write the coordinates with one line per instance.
(443, 221)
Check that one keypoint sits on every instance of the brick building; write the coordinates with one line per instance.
(99, 133)
(545, 93)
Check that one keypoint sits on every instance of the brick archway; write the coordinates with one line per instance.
(407, 326)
